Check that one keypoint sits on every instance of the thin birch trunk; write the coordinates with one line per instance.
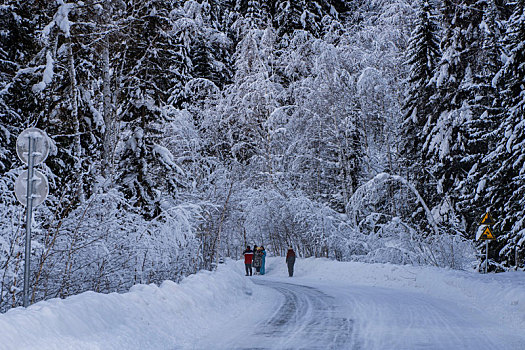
(77, 146)
(106, 157)
(109, 119)
(221, 220)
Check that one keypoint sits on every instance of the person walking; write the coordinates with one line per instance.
(257, 260)
(248, 258)
(263, 271)
(290, 260)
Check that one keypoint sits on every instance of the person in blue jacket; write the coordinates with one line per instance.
(263, 260)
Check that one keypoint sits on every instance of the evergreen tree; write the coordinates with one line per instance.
(289, 17)
(422, 54)
(307, 15)
(257, 13)
(486, 104)
(446, 137)
(209, 48)
(17, 47)
(154, 74)
(44, 91)
(72, 96)
(506, 183)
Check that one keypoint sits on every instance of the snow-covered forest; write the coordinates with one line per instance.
(359, 130)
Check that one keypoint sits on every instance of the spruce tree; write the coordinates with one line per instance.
(306, 15)
(445, 148)
(486, 103)
(154, 74)
(422, 57)
(17, 47)
(71, 100)
(506, 184)
(209, 47)
(422, 54)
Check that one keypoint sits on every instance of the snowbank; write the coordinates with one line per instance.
(147, 317)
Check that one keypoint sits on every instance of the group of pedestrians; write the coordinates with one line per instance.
(257, 258)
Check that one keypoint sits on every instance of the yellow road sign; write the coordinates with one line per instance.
(487, 234)
(487, 219)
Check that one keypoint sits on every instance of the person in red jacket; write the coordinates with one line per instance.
(248, 258)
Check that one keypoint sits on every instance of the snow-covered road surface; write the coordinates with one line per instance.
(305, 318)
(395, 319)
(339, 316)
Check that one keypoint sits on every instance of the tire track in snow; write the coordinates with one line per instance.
(306, 319)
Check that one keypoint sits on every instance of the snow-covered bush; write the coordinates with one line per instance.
(11, 244)
(375, 236)
(105, 246)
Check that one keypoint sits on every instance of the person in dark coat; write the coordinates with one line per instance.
(248, 258)
(290, 260)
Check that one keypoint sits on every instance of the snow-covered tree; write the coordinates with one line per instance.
(325, 148)
(505, 181)
(18, 46)
(486, 105)
(247, 104)
(290, 16)
(422, 55)
(152, 73)
(445, 133)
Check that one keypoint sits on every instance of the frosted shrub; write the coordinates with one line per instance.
(346, 243)
(11, 246)
(385, 238)
(392, 242)
(105, 246)
(448, 250)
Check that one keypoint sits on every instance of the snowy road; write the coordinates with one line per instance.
(293, 317)
(397, 319)
(316, 316)
(306, 319)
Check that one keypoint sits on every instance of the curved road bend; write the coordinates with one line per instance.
(306, 319)
(364, 317)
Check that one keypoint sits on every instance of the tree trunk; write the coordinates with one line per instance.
(77, 146)
(109, 117)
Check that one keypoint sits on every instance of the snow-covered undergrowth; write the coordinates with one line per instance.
(180, 315)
